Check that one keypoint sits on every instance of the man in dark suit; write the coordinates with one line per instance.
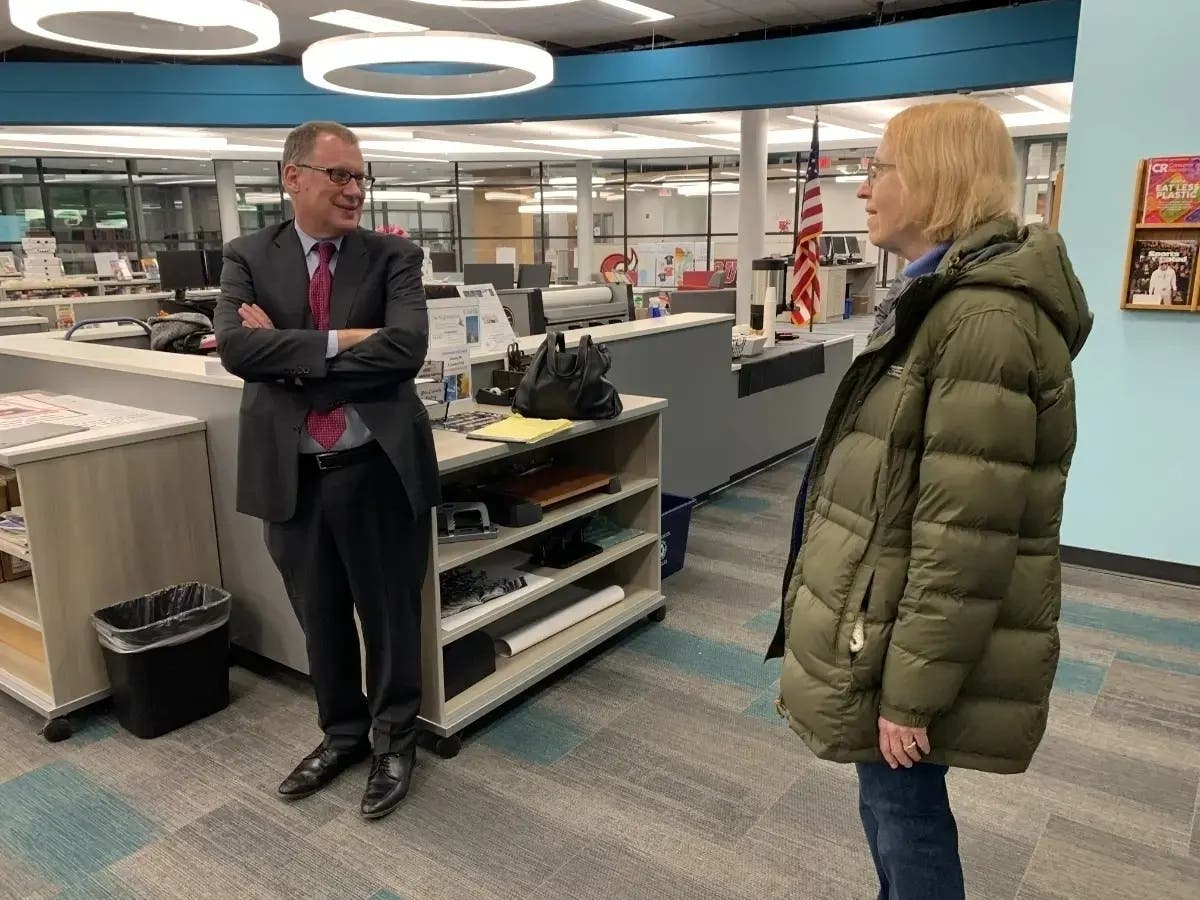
(328, 326)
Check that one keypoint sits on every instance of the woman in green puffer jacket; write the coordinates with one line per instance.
(919, 627)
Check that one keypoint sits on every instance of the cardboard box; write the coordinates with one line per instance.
(12, 568)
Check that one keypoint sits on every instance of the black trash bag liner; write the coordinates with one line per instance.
(169, 616)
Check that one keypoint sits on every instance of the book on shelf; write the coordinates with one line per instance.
(1161, 272)
(1172, 191)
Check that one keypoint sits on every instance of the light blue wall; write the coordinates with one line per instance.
(1135, 486)
(1029, 44)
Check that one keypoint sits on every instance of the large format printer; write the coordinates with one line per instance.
(535, 310)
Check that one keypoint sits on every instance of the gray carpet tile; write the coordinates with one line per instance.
(654, 768)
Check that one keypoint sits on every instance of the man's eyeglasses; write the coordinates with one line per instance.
(342, 176)
(875, 168)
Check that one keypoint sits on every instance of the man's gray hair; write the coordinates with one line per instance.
(300, 140)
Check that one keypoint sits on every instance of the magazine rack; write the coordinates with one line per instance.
(1152, 243)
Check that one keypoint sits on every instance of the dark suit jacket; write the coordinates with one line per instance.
(377, 284)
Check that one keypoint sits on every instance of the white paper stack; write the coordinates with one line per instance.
(40, 261)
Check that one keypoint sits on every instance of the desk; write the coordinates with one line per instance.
(856, 278)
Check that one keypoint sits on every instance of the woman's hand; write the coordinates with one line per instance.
(901, 745)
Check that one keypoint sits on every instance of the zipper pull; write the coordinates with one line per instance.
(780, 709)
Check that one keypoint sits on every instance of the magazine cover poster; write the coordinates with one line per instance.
(1161, 272)
(1172, 190)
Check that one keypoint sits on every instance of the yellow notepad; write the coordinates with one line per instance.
(517, 429)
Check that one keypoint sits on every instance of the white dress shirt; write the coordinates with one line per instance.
(356, 433)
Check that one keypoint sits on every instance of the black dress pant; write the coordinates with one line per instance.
(354, 544)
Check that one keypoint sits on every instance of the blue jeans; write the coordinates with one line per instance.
(911, 830)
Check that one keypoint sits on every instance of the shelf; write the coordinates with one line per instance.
(515, 673)
(12, 548)
(498, 609)
(1167, 226)
(26, 677)
(450, 556)
(17, 602)
(1156, 307)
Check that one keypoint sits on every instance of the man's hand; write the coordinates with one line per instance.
(351, 337)
(253, 317)
(901, 745)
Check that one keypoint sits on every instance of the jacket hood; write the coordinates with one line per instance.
(1032, 261)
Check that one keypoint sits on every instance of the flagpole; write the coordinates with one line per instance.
(813, 318)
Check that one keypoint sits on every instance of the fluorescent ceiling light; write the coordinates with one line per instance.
(262, 199)
(850, 179)
(550, 208)
(357, 21)
(570, 180)
(342, 64)
(557, 195)
(421, 146)
(434, 201)
(624, 144)
(804, 135)
(168, 27)
(648, 14)
(389, 195)
(188, 141)
(495, 4)
(1035, 119)
(1038, 104)
(494, 196)
(701, 189)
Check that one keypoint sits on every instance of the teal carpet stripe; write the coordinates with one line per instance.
(533, 734)
(101, 886)
(763, 706)
(1168, 665)
(68, 826)
(741, 503)
(766, 621)
(386, 895)
(725, 663)
(1152, 629)
(1079, 677)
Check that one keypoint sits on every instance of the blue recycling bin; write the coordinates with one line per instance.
(676, 520)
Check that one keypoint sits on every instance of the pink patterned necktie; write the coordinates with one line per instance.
(326, 428)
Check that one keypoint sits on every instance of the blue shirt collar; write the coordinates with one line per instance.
(307, 241)
(927, 263)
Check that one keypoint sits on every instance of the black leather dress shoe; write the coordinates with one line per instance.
(391, 776)
(319, 768)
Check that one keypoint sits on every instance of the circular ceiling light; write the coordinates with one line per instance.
(163, 27)
(495, 4)
(351, 64)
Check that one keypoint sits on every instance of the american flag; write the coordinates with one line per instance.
(806, 288)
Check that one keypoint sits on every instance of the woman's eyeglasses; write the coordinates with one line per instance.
(875, 168)
(342, 177)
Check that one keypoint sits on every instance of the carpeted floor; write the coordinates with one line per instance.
(655, 769)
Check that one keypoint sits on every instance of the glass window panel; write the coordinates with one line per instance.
(1038, 160)
(669, 196)
(483, 250)
(260, 199)
(65, 170)
(477, 174)
(21, 207)
(175, 202)
(1037, 203)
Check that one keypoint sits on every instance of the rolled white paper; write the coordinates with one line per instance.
(534, 633)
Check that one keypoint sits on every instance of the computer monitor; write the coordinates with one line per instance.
(441, 291)
(499, 275)
(854, 249)
(213, 260)
(179, 270)
(536, 275)
(826, 248)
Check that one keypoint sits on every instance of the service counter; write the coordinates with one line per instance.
(720, 421)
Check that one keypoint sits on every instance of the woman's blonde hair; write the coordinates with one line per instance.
(955, 160)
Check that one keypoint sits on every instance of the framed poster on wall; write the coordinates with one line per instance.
(1164, 237)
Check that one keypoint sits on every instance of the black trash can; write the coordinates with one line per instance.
(167, 656)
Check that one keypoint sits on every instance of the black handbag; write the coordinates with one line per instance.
(568, 384)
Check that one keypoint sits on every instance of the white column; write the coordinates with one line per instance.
(187, 219)
(752, 205)
(227, 199)
(583, 220)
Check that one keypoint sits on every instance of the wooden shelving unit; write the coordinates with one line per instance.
(628, 447)
(99, 533)
(1156, 231)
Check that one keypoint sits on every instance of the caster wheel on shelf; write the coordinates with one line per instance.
(658, 615)
(56, 730)
(447, 747)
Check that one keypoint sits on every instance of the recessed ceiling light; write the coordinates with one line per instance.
(167, 27)
(187, 141)
(343, 64)
(548, 208)
(615, 144)
(648, 14)
(357, 21)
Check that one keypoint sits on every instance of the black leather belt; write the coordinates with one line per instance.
(340, 459)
